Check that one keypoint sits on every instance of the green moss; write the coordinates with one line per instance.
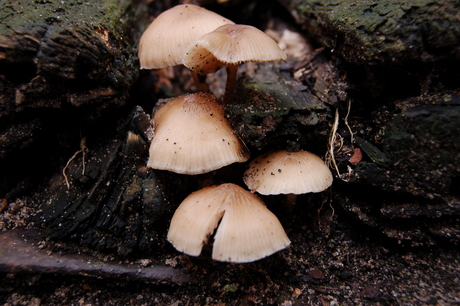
(392, 30)
(18, 15)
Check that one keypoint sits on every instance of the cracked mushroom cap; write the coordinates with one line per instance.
(193, 136)
(165, 40)
(231, 44)
(248, 231)
(284, 172)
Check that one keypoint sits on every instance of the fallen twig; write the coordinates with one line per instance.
(20, 253)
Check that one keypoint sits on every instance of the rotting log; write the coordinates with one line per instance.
(57, 54)
(273, 110)
(62, 63)
(390, 48)
(385, 32)
(406, 185)
(105, 198)
(401, 63)
(285, 106)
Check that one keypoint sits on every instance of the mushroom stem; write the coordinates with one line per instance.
(291, 200)
(200, 81)
(230, 86)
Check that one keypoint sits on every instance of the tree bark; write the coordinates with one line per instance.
(62, 64)
(63, 55)
(385, 32)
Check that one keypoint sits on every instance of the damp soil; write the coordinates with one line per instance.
(330, 261)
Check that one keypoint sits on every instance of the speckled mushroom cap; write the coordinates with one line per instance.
(165, 40)
(248, 231)
(231, 44)
(193, 136)
(284, 172)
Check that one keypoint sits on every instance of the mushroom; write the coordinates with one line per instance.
(248, 231)
(291, 173)
(164, 42)
(193, 136)
(230, 45)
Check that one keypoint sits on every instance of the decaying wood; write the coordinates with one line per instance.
(106, 198)
(399, 61)
(105, 206)
(369, 32)
(21, 253)
(62, 55)
(63, 64)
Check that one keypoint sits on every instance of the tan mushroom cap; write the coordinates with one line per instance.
(165, 40)
(284, 172)
(247, 232)
(193, 136)
(231, 44)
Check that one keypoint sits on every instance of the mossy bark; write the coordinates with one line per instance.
(394, 31)
(272, 110)
(63, 55)
(62, 65)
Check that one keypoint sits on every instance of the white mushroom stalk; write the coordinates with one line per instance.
(248, 231)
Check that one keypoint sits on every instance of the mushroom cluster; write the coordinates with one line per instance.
(204, 42)
(193, 136)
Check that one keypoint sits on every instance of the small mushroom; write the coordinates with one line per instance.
(193, 136)
(230, 45)
(248, 231)
(164, 42)
(291, 173)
